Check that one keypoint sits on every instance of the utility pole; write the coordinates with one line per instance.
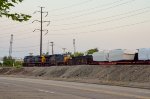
(74, 45)
(10, 47)
(52, 44)
(41, 29)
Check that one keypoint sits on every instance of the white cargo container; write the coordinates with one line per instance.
(144, 54)
(100, 56)
(120, 54)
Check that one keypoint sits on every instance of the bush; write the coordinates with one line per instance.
(8, 61)
(18, 64)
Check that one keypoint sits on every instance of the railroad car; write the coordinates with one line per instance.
(48, 60)
(57, 59)
(123, 57)
(81, 60)
(28, 61)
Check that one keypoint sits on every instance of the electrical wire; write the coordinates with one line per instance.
(92, 24)
(85, 21)
(83, 10)
(70, 6)
(93, 12)
(106, 29)
(116, 19)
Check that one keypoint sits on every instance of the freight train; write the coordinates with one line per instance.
(112, 57)
(56, 60)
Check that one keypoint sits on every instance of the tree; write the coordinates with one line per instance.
(5, 6)
(18, 64)
(77, 54)
(91, 51)
(8, 61)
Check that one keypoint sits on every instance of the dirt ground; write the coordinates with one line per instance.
(129, 75)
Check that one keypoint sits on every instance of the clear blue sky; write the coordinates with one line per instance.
(105, 24)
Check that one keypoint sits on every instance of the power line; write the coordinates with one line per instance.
(25, 31)
(93, 12)
(92, 24)
(27, 47)
(21, 39)
(73, 5)
(12, 25)
(112, 28)
(58, 30)
(122, 26)
(18, 29)
(15, 24)
(100, 6)
(33, 46)
(27, 38)
(25, 51)
(106, 29)
(116, 19)
(91, 20)
(85, 21)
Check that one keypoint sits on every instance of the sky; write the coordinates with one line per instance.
(102, 24)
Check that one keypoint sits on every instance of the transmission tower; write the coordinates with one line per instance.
(10, 47)
(41, 29)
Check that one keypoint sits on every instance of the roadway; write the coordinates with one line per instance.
(25, 88)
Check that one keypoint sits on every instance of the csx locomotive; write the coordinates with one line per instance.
(56, 60)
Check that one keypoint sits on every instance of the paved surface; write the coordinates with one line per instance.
(24, 88)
